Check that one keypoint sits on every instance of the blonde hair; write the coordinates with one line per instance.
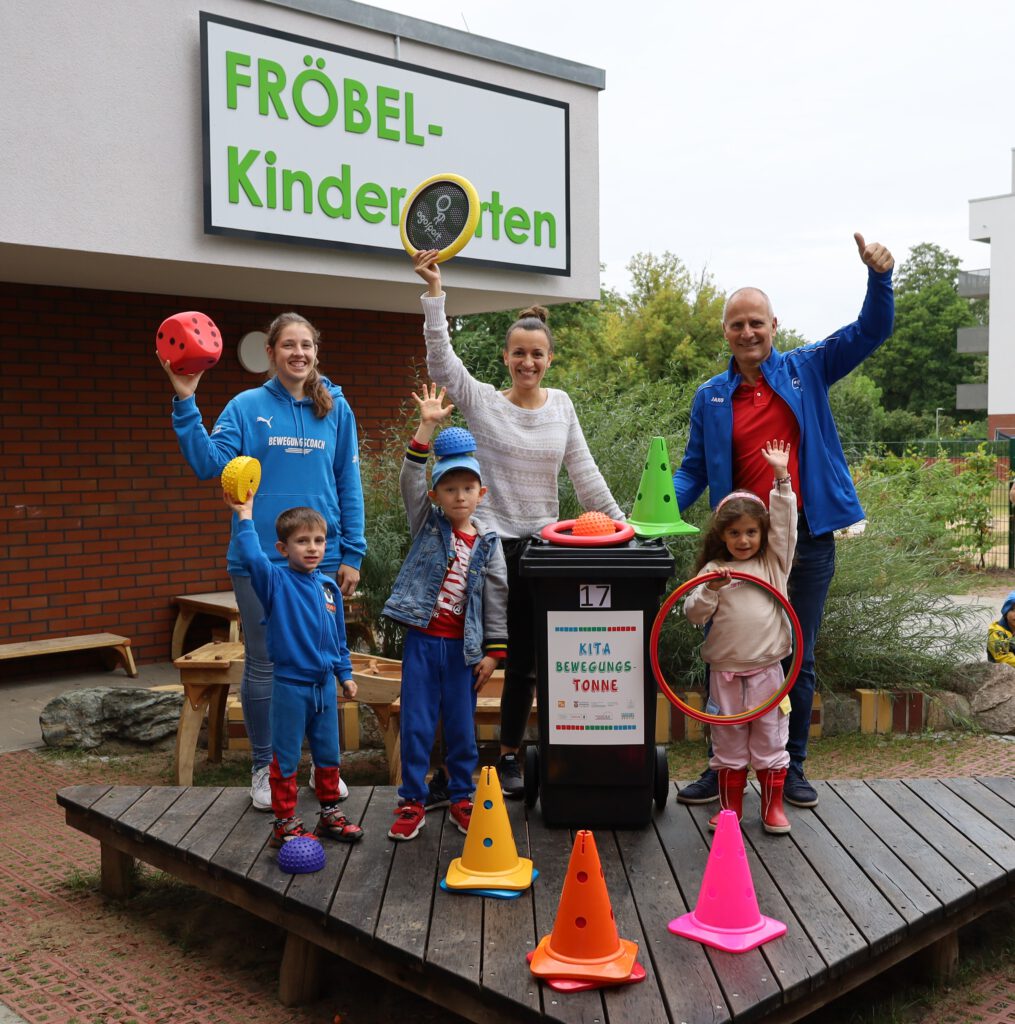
(314, 387)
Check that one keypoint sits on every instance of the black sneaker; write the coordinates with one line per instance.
(509, 771)
(437, 791)
(704, 791)
(797, 790)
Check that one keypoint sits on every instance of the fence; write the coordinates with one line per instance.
(1000, 511)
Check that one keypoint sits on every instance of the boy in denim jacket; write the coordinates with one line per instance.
(452, 594)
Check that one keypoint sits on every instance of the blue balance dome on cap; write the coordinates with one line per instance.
(453, 441)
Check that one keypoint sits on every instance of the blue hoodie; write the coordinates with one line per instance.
(303, 613)
(801, 378)
(304, 461)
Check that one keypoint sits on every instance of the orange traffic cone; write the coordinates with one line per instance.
(584, 943)
(489, 858)
(726, 915)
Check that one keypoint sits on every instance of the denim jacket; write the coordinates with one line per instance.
(419, 580)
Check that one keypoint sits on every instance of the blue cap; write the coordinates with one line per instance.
(453, 441)
(442, 466)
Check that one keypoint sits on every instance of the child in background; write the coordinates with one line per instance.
(748, 636)
(999, 633)
(452, 594)
(306, 640)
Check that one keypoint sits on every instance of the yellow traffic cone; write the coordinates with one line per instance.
(489, 858)
(655, 512)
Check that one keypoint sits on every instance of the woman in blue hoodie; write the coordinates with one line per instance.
(303, 432)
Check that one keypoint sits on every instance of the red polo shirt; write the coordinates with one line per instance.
(760, 415)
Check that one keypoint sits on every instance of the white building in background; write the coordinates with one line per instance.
(992, 220)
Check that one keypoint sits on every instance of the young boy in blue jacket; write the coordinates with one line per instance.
(306, 641)
(452, 594)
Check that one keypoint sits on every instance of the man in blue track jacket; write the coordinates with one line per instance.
(766, 394)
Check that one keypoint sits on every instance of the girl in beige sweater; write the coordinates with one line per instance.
(748, 636)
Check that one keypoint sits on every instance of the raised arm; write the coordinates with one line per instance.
(848, 347)
(442, 362)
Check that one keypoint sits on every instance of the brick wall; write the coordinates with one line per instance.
(101, 520)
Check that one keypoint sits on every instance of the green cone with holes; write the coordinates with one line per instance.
(655, 512)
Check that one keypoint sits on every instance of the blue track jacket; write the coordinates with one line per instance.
(801, 378)
(303, 613)
(304, 461)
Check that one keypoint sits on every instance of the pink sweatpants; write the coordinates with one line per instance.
(761, 743)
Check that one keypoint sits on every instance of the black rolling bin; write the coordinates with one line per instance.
(596, 764)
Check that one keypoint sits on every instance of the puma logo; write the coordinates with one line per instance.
(261, 419)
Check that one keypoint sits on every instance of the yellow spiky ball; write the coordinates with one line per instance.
(241, 475)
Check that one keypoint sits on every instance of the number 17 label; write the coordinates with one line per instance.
(594, 595)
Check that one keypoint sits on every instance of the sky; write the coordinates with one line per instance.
(752, 139)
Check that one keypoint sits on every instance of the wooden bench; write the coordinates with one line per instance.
(879, 871)
(118, 645)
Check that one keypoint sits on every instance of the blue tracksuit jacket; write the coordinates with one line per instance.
(801, 378)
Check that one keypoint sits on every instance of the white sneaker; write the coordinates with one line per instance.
(343, 789)
(260, 789)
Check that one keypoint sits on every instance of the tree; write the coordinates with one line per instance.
(670, 326)
(918, 367)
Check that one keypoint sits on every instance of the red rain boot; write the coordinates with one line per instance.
(732, 783)
(773, 817)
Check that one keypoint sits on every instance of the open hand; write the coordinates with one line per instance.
(776, 454)
(431, 405)
(875, 255)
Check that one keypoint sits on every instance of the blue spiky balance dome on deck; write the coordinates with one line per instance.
(301, 856)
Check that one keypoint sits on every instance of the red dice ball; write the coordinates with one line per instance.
(189, 341)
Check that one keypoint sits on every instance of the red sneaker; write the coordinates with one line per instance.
(461, 814)
(411, 817)
(334, 824)
(285, 829)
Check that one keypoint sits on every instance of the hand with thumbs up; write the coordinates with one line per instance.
(875, 255)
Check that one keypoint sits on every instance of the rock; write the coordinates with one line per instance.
(86, 718)
(993, 705)
(971, 676)
(839, 714)
(948, 710)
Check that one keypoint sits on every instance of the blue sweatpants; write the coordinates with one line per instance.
(436, 683)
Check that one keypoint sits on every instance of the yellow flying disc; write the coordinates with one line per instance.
(441, 213)
(241, 475)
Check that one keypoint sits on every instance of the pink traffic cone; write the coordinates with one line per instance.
(727, 915)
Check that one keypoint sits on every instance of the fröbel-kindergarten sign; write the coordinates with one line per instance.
(317, 144)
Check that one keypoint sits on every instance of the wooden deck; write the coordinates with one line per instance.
(879, 871)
